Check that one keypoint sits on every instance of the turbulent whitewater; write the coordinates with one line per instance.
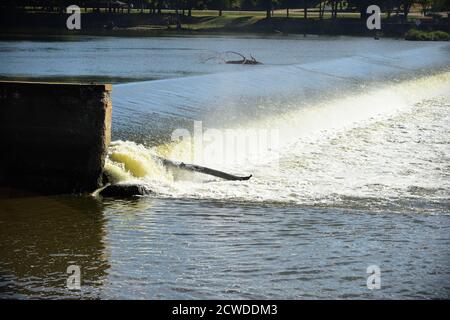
(369, 132)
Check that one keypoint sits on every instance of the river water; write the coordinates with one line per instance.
(347, 139)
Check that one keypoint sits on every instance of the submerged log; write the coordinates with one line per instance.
(244, 60)
(124, 190)
(130, 190)
(204, 170)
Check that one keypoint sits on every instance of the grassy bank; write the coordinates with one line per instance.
(417, 35)
(145, 24)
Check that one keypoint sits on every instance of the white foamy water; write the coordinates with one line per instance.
(379, 147)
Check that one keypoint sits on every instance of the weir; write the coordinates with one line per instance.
(231, 98)
(54, 136)
(304, 103)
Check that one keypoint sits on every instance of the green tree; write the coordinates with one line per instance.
(248, 4)
(362, 5)
(425, 4)
(293, 4)
(267, 4)
(288, 4)
(219, 5)
(406, 6)
(440, 5)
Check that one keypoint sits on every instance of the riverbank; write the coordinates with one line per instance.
(137, 24)
(417, 35)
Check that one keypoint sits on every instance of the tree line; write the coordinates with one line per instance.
(185, 7)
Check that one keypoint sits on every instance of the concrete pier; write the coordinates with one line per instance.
(53, 136)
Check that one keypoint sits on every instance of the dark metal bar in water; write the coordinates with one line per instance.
(204, 170)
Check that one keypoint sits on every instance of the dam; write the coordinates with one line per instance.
(54, 136)
(69, 137)
(357, 177)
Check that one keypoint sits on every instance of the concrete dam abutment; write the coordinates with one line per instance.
(54, 136)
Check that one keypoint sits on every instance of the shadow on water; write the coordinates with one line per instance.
(41, 236)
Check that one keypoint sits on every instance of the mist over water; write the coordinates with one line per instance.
(357, 174)
(338, 133)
